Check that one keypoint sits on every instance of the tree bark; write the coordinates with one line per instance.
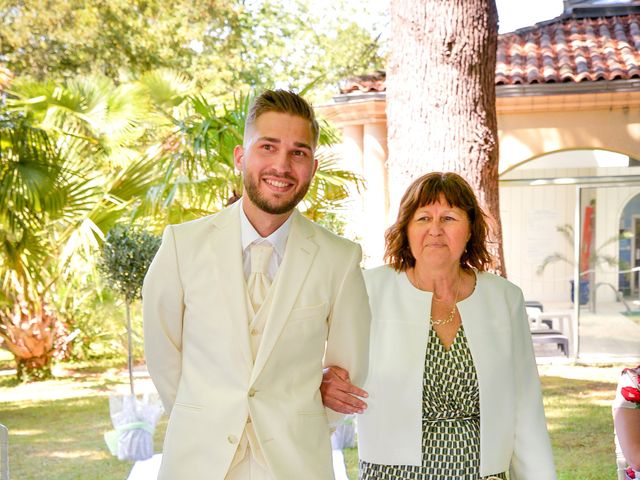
(441, 106)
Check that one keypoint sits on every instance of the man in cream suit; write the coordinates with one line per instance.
(242, 309)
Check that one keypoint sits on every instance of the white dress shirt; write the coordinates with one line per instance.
(277, 239)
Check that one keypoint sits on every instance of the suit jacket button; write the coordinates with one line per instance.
(232, 439)
(252, 392)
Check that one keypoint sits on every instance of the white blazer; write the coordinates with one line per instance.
(513, 432)
(198, 352)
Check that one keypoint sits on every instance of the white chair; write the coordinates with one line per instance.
(546, 329)
(558, 320)
(533, 310)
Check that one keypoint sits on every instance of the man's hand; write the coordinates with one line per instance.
(339, 394)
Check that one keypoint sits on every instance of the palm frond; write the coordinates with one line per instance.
(31, 171)
(89, 108)
(553, 258)
(329, 135)
(166, 88)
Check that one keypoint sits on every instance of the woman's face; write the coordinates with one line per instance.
(438, 234)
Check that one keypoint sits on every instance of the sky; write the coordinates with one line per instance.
(514, 14)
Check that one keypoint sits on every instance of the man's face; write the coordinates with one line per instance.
(277, 162)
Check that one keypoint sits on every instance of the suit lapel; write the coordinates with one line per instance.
(295, 266)
(226, 246)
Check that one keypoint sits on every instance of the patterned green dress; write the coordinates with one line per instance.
(450, 419)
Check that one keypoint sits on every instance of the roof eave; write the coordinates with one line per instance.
(547, 89)
(354, 97)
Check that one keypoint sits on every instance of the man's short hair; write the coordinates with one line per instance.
(282, 101)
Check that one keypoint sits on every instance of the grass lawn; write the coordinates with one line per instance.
(56, 427)
(578, 408)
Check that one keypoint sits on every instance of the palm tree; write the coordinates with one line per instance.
(32, 191)
(65, 182)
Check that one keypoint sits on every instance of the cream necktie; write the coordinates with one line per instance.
(259, 282)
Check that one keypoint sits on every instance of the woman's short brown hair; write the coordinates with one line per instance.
(427, 190)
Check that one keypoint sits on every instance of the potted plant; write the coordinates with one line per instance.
(126, 256)
(595, 259)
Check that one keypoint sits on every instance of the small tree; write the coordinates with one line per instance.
(126, 256)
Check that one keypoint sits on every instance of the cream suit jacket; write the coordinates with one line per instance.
(198, 351)
(513, 431)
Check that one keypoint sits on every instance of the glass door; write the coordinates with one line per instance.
(606, 263)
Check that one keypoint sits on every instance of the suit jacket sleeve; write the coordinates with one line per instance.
(349, 318)
(532, 457)
(162, 300)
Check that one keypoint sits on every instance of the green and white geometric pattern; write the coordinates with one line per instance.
(450, 419)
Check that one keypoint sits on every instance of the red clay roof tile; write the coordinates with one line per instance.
(563, 50)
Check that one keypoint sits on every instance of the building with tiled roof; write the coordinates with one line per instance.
(569, 49)
(568, 105)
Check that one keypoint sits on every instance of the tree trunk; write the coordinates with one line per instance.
(129, 346)
(441, 99)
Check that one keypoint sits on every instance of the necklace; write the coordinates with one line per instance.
(444, 321)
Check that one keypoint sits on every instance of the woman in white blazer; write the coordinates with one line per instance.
(453, 390)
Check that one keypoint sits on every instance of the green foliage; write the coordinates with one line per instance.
(69, 165)
(217, 43)
(35, 186)
(286, 44)
(88, 116)
(94, 316)
(59, 193)
(61, 39)
(33, 189)
(200, 177)
(82, 155)
(126, 256)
